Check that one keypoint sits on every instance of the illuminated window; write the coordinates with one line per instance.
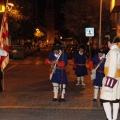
(2, 8)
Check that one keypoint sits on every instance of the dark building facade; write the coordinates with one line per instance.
(115, 16)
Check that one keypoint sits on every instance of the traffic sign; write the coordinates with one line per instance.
(89, 32)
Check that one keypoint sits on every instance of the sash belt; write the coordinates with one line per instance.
(81, 64)
(59, 68)
(100, 71)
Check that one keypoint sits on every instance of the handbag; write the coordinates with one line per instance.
(93, 75)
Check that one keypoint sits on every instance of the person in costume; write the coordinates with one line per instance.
(110, 92)
(99, 61)
(58, 59)
(2, 53)
(80, 65)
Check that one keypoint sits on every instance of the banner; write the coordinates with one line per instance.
(4, 40)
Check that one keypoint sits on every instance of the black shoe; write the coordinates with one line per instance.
(63, 100)
(54, 99)
(94, 100)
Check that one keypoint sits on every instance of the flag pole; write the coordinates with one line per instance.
(6, 3)
(2, 82)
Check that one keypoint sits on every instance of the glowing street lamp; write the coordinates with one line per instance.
(11, 4)
(38, 33)
(2, 8)
(112, 4)
(37, 30)
(9, 7)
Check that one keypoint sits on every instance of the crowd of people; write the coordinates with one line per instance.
(106, 67)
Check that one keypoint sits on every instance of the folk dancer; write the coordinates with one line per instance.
(80, 65)
(110, 92)
(99, 61)
(59, 77)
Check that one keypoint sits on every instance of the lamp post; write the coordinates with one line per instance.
(8, 7)
(100, 23)
(38, 32)
(6, 1)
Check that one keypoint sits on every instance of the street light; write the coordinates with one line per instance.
(11, 4)
(37, 30)
(9, 7)
(2, 8)
(100, 23)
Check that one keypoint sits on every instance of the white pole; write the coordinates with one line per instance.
(89, 48)
(100, 23)
(6, 3)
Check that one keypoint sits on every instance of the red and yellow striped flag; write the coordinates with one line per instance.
(4, 40)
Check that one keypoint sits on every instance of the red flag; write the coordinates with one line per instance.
(4, 40)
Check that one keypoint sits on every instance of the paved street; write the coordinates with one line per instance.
(28, 94)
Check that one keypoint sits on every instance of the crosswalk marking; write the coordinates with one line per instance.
(38, 62)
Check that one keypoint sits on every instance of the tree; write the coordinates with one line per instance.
(81, 14)
(22, 20)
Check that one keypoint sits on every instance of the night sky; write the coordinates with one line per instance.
(41, 5)
(58, 18)
(41, 10)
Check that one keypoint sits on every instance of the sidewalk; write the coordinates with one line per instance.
(51, 114)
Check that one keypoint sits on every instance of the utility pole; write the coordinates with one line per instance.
(36, 12)
(100, 24)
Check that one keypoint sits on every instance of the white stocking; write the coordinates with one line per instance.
(82, 78)
(63, 91)
(107, 108)
(78, 79)
(55, 90)
(115, 110)
(96, 88)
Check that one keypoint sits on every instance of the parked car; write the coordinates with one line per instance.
(17, 51)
